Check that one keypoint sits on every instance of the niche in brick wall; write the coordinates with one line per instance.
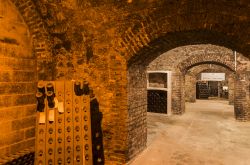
(159, 91)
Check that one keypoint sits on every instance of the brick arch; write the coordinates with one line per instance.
(206, 67)
(27, 10)
(193, 75)
(169, 27)
(219, 59)
(39, 35)
(225, 70)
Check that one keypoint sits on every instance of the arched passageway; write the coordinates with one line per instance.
(194, 74)
(179, 61)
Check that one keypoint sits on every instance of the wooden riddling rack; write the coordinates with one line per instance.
(63, 128)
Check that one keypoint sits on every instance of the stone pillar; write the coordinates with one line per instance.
(137, 110)
(190, 88)
(231, 78)
(242, 96)
(178, 93)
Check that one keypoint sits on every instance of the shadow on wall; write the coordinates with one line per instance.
(97, 136)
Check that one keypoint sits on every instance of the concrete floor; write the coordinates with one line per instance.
(207, 134)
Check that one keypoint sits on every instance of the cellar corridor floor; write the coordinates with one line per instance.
(207, 134)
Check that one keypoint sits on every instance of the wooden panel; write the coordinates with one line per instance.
(69, 136)
(40, 150)
(78, 138)
(50, 133)
(87, 142)
(59, 121)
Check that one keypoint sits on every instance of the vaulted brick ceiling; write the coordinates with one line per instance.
(146, 27)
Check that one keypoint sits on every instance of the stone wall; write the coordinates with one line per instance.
(18, 78)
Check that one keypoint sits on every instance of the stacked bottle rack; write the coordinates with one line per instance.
(63, 129)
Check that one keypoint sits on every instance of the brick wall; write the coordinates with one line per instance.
(17, 82)
(178, 96)
(137, 108)
(242, 99)
(190, 88)
(185, 58)
(194, 74)
(135, 29)
(231, 83)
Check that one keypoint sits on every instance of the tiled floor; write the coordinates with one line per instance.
(207, 134)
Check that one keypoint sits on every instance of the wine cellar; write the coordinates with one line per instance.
(88, 82)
